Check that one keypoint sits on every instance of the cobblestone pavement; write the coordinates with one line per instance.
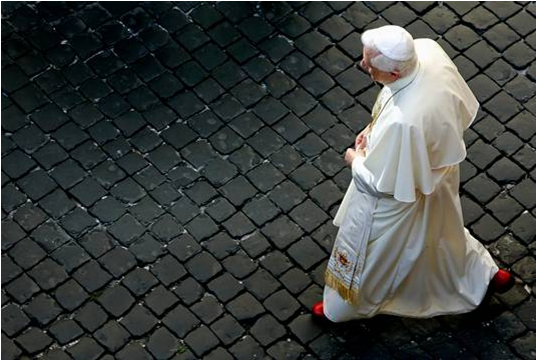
(170, 172)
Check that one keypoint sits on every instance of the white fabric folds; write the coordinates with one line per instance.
(422, 126)
(402, 247)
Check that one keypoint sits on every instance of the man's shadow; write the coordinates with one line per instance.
(460, 336)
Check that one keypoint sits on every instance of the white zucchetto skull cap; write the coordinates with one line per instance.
(393, 41)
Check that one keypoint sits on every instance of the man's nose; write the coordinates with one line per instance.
(363, 65)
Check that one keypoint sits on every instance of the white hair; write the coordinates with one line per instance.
(382, 62)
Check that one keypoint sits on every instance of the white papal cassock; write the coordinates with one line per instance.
(402, 248)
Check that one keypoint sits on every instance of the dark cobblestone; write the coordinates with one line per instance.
(70, 295)
(168, 270)
(112, 335)
(116, 300)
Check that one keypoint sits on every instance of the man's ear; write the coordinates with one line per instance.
(395, 74)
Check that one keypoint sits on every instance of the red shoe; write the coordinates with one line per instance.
(318, 310)
(502, 281)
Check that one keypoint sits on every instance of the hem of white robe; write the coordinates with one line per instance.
(434, 314)
(406, 315)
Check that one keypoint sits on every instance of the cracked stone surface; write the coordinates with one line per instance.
(170, 171)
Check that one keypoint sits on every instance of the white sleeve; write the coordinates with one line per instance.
(364, 180)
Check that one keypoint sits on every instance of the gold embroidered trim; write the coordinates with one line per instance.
(349, 295)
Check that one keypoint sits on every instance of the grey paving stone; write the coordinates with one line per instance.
(248, 348)
(286, 350)
(255, 244)
(239, 265)
(225, 287)
(126, 229)
(139, 321)
(307, 176)
(526, 313)
(201, 340)
(97, 243)
(167, 270)
(324, 348)
(201, 192)
(43, 309)
(48, 274)
(22, 288)
(203, 266)
(221, 245)
(239, 225)
(311, 296)
(202, 227)
(27, 253)
(146, 249)
(522, 227)
(86, 348)
(507, 325)
(226, 141)
(267, 330)
(245, 307)
(88, 155)
(180, 321)
(503, 10)
(266, 141)
(162, 344)
(218, 353)
(128, 191)
(139, 281)
(270, 111)
(523, 345)
(131, 162)
(308, 215)
(523, 192)
(13, 319)
(261, 284)
(36, 184)
(149, 178)
(12, 198)
(57, 203)
(189, 290)
(184, 247)
(219, 171)
(33, 340)
(12, 234)
(78, 221)
(91, 276)
(227, 329)
(304, 327)
(112, 335)
(146, 210)
(265, 177)
(159, 300)
(70, 295)
(116, 300)
(118, 261)
(282, 305)
(286, 159)
(282, 232)
(208, 309)
(524, 268)
(521, 126)
(504, 208)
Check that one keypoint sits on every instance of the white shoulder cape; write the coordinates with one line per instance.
(422, 129)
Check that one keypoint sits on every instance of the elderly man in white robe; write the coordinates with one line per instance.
(402, 248)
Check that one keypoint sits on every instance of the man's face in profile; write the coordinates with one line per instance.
(377, 75)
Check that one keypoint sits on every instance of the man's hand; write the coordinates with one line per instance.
(361, 139)
(351, 154)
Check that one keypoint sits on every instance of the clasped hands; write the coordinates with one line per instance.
(359, 147)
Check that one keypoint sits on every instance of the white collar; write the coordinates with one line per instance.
(401, 82)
